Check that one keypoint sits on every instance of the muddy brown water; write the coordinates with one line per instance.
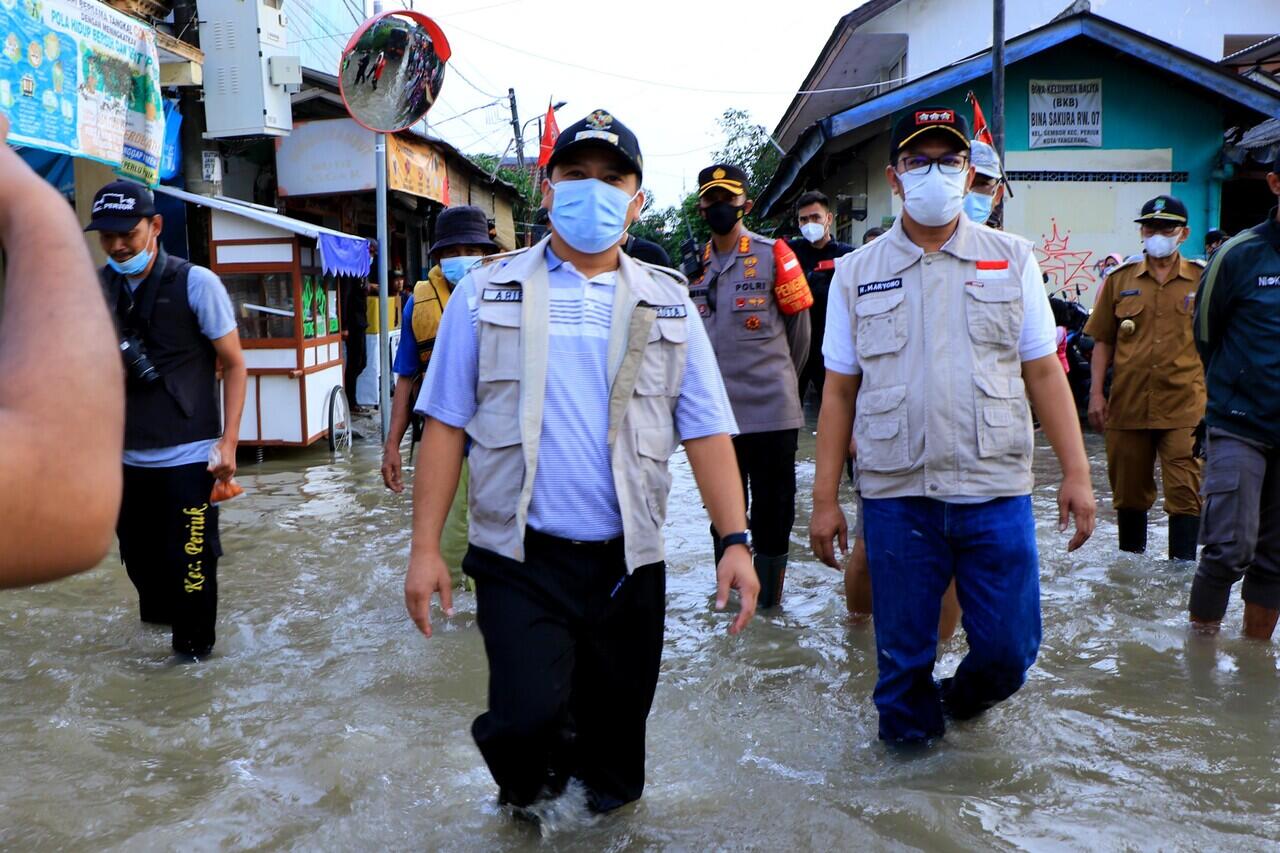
(325, 722)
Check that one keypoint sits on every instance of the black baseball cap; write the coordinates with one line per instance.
(119, 206)
(464, 225)
(1163, 210)
(722, 176)
(1214, 235)
(599, 129)
(939, 121)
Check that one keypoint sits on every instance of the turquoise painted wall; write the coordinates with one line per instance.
(1141, 108)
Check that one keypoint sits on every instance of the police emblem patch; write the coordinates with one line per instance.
(600, 120)
(718, 174)
(752, 322)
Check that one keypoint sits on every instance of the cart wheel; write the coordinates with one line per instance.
(339, 421)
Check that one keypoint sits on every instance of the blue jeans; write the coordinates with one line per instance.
(915, 546)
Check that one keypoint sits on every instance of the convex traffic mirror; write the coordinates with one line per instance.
(392, 70)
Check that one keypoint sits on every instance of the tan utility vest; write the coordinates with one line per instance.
(942, 409)
(647, 343)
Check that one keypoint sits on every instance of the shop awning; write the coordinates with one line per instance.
(340, 254)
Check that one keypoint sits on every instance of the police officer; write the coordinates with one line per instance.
(939, 331)
(817, 251)
(1237, 328)
(1141, 321)
(462, 239)
(754, 298)
(574, 370)
(176, 325)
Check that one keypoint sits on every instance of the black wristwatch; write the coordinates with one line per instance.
(743, 538)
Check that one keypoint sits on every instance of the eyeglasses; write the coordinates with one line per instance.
(948, 164)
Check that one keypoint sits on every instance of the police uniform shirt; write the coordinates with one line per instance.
(207, 296)
(1158, 381)
(573, 490)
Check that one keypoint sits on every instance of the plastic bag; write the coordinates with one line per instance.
(223, 490)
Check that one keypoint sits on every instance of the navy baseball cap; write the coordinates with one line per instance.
(600, 129)
(119, 206)
(1163, 210)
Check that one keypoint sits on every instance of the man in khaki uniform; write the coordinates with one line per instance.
(1141, 321)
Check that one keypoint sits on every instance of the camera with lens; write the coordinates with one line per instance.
(136, 360)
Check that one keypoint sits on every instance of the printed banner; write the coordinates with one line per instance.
(80, 78)
(416, 168)
(1066, 112)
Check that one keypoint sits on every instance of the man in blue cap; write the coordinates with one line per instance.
(575, 371)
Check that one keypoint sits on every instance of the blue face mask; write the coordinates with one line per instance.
(132, 267)
(978, 207)
(455, 269)
(589, 215)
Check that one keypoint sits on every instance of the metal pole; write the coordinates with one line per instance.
(515, 125)
(384, 246)
(997, 76)
(997, 89)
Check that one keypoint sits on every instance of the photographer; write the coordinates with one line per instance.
(61, 417)
(176, 324)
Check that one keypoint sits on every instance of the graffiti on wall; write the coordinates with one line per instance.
(1070, 275)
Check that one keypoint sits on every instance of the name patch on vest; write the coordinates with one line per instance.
(749, 286)
(879, 286)
(503, 294)
(1269, 281)
(1134, 292)
(667, 312)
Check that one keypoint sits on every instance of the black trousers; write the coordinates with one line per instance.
(357, 361)
(170, 546)
(767, 464)
(574, 647)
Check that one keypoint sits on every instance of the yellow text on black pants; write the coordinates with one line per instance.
(170, 546)
(1131, 459)
(574, 646)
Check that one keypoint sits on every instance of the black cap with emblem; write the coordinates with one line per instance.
(1163, 210)
(722, 176)
(936, 121)
(119, 206)
(599, 129)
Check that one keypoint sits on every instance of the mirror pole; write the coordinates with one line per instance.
(384, 247)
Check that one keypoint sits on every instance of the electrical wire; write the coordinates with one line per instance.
(677, 86)
(465, 112)
(453, 66)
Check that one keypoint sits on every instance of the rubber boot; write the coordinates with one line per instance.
(772, 572)
(1133, 530)
(1259, 621)
(1184, 531)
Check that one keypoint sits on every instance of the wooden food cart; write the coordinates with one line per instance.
(282, 275)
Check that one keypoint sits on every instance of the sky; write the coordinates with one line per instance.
(667, 70)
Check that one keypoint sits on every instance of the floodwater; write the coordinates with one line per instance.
(325, 722)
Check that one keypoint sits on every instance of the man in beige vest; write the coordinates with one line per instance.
(937, 334)
(575, 371)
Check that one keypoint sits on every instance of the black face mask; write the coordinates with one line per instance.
(722, 216)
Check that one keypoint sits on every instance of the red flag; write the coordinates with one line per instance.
(550, 132)
(980, 130)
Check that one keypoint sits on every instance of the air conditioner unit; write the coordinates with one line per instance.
(247, 70)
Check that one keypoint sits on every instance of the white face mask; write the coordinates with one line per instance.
(1161, 245)
(933, 199)
(813, 231)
